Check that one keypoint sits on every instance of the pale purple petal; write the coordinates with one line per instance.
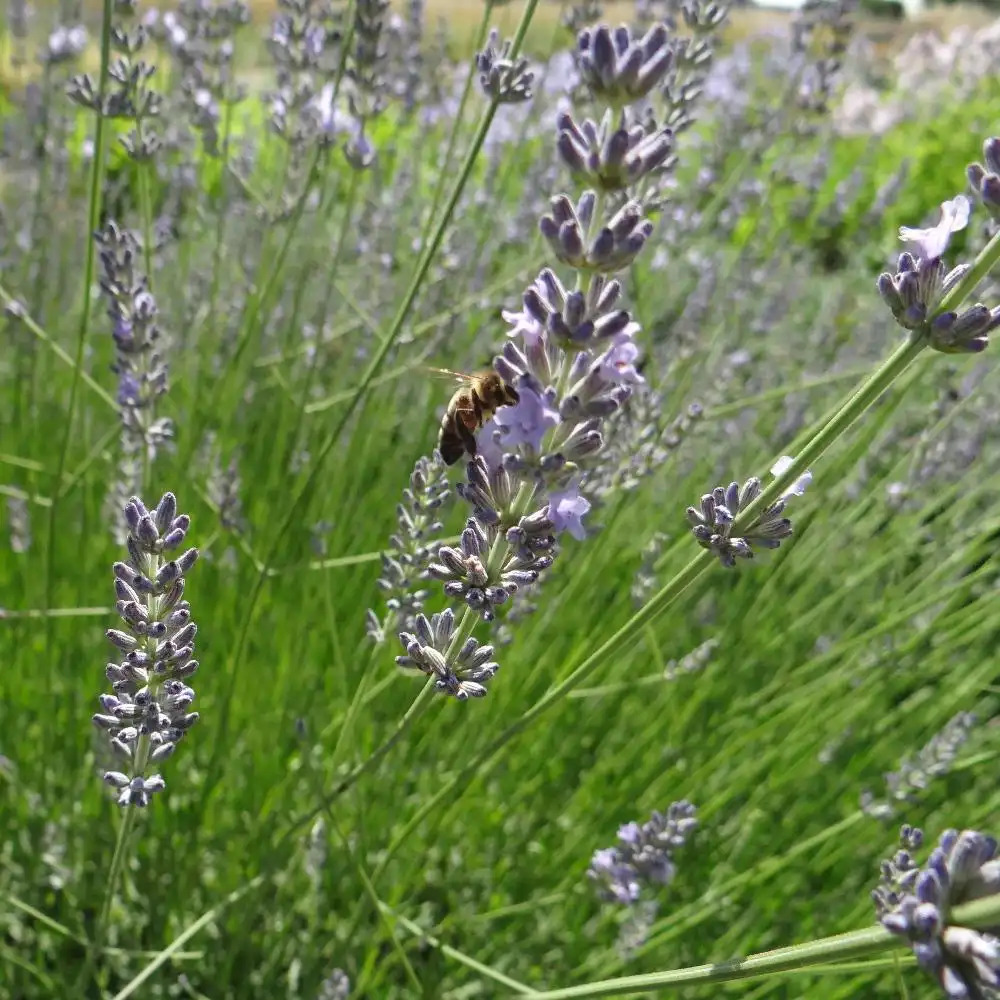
(933, 242)
(527, 421)
(523, 324)
(618, 361)
(567, 509)
(800, 485)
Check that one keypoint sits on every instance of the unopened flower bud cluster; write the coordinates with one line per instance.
(130, 94)
(915, 903)
(148, 711)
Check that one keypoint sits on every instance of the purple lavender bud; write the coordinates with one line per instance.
(712, 524)
(619, 68)
(148, 704)
(428, 654)
(985, 179)
(965, 333)
(504, 78)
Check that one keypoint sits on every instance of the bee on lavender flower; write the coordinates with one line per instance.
(479, 397)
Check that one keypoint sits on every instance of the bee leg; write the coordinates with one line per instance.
(466, 425)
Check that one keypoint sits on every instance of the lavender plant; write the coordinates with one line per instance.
(737, 313)
(914, 902)
(305, 43)
(132, 97)
(935, 759)
(641, 863)
(148, 714)
(201, 36)
(139, 363)
(576, 368)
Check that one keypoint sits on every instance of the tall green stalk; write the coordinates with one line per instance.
(294, 509)
(83, 328)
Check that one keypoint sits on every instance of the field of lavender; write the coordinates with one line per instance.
(563, 719)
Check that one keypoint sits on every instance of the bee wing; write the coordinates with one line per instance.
(448, 373)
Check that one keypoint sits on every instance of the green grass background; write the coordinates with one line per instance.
(838, 656)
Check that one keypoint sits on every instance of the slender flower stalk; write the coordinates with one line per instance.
(570, 358)
(831, 428)
(83, 329)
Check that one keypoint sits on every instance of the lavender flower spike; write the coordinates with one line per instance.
(985, 177)
(620, 68)
(643, 859)
(933, 242)
(713, 520)
(915, 904)
(505, 80)
(148, 714)
(914, 294)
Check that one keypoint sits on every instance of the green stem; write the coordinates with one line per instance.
(821, 952)
(456, 127)
(869, 391)
(93, 220)
(96, 944)
(293, 511)
(838, 424)
(146, 208)
(366, 882)
(489, 755)
(416, 709)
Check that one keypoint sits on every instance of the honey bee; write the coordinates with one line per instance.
(480, 396)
